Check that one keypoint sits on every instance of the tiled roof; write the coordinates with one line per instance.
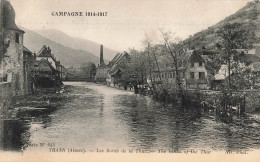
(42, 65)
(115, 67)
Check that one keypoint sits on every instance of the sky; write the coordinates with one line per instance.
(127, 22)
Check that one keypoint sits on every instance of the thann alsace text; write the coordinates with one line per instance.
(54, 13)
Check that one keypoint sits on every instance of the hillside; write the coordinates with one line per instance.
(68, 56)
(76, 43)
(249, 16)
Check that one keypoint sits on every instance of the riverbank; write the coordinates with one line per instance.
(40, 102)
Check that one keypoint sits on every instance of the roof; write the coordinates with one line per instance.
(9, 17)
(196, 57)
(115, 67)
(42, 65)
(219, 77)
(252, 51)
(26, 50)
(206, 51)
(249, 58)
(46, 52)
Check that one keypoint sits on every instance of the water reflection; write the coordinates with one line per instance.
(153, 125)
(12, 135)
(96, 116)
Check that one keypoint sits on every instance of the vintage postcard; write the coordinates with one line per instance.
(129, 80)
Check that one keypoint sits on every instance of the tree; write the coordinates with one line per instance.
(89, 69)
(148, 43)
(93, 70)
(134, 72)
(233, 36)
(174, 48)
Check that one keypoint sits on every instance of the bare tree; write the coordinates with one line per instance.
(148, 49)
(174, 49)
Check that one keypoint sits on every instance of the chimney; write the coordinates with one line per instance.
(101, 54)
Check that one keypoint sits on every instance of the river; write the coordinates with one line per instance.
(101, 117)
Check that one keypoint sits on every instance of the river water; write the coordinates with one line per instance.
(100, 117)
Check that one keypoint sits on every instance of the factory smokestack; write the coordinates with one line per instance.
(101, 54)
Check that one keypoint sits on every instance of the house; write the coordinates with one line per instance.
(45, 53)
(44, 74)
(164, 73)
(192, 73)
(115, 71)
(196, 73)
(245, 58)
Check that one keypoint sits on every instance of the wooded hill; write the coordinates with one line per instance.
(249, 16)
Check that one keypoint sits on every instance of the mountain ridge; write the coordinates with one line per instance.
(77, 43)
(34, 42)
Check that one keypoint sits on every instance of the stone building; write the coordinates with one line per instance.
(11, 51)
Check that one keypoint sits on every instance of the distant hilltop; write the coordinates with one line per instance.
(71, 51)
(248, 15)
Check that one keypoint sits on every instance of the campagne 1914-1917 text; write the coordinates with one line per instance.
(104, 80)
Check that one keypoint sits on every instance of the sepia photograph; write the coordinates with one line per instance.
(129, 80)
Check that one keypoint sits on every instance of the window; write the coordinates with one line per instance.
(192, 64)
(200, 63)
(171, 75)
(192, 75)
(17, 40)
(201, 75)
(4, 79)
